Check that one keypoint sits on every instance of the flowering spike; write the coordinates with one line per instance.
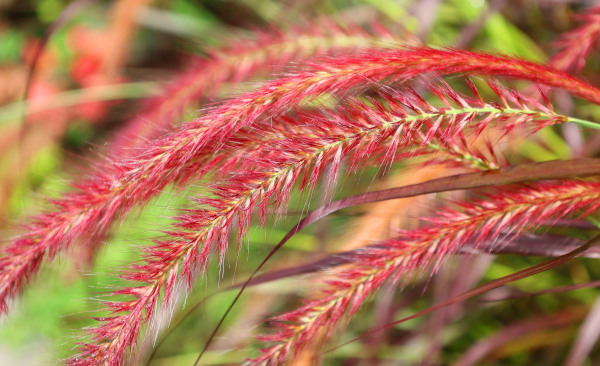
(507, 211)
(189, 152)
(386, 130)
(266, 51)
(575, 46)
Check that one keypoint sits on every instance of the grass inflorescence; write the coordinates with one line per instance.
(338, 102)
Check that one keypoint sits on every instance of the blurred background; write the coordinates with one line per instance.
(76, 75)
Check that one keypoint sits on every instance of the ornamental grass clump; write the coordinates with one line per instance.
(340, 101)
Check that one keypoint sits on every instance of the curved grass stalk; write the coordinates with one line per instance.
(117, 187)
(357, 132)
(508, 211)
(240, 61)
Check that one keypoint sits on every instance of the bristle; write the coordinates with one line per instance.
(175, 158)
(507, 211)
(308, 143)
(575, 46)
(200, 147)
(267, 52)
